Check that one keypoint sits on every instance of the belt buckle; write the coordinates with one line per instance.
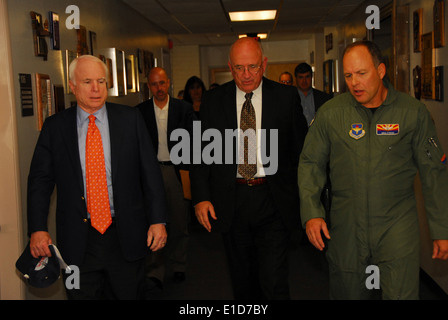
(249, 183)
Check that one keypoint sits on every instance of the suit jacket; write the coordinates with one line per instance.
(320, 98)
(138, 191)
(281, 110)
(180, 115)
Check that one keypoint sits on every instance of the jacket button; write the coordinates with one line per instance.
(84, 220)
(82, 198)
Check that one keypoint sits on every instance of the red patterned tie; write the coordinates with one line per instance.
(96, 181)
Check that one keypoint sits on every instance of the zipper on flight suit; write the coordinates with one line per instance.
(372, 120)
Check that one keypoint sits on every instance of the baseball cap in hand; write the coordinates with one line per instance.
(43, 271)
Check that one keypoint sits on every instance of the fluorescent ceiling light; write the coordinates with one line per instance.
(252, 15)
(259, 35)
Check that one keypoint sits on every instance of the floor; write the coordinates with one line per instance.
(207, 277)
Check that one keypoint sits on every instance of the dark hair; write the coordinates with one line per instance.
(302, 68)
(373, 49)
(190, 82)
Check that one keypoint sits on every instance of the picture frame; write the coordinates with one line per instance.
(26, 94)
(328, 42)
(69, 57)
(40, 31)
(328, 76)
(58, 98)
(438, 85)
(93, 43)
(148, 62)
(115, 61)
(417, 81)
(82, 47)
(132, 74)
(428, 71)
(43, 98)
(417, 29)
(54, 31)
(439, 23)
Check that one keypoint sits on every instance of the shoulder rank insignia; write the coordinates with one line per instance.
(357, 131)
(387, 129)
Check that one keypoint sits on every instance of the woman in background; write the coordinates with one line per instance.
(194, 88)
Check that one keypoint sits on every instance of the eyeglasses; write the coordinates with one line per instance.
(286, 81)
(253, 69)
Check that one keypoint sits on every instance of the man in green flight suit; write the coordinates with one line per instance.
(375, 140)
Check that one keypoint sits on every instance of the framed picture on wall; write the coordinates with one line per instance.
(93, 45)
(54, 30)
(439, 23)
(417, 27)
(438, 83)
(82, 47)
(58, 98)
(43, 98)
(115, 62)
(428, 75)
(329, 76)
(132, 78)
(69, 57)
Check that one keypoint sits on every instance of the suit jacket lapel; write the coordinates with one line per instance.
(152, 125)
(267, 105)
(116, 134)
(173, 120)
(229, 103)
(70, 136)
(267, 115)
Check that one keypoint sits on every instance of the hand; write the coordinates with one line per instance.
(314, 227)
(440, 249)
(201, 211)
(156, 237)
(39, 242)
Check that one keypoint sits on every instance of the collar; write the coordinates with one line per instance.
(165, 107)
(256, 92)
(390, 98)
(101, 114)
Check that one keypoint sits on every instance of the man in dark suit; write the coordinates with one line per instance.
(163, 114)
(135, 211)
(310, 98)
(256, 214)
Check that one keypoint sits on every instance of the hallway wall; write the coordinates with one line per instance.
(437, 269)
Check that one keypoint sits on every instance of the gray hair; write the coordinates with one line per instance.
(74, 63)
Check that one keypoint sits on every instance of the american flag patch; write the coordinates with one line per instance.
(387, 129)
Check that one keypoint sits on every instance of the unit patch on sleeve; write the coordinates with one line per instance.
(387, 129)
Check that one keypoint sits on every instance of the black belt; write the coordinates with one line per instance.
(251, 182)
(166, 163)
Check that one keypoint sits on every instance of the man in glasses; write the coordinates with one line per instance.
(256, 209)
(286, 78)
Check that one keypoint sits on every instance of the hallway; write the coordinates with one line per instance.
(207, 277)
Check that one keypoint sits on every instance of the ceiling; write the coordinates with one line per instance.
(206, 22)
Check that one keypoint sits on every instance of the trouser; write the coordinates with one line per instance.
(174, 254)
(393, 252)
(257, 247)
(104, 273)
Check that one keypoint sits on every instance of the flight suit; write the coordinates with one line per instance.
(374, 158)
